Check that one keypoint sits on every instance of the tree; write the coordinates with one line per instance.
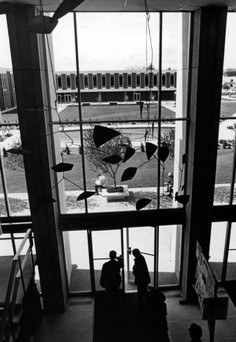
(114, 147)
(168, 139)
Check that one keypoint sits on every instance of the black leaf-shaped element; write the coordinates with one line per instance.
(128, 153)
(85, 194)
(103, 134)
(128, 174)
(62, 167)
(163, 153)
(183, 199)
(65, 7)
(44, 199)
(41, 24)
(150, 149)
(143, 202)
(19, 151)
(115, 159)
(184, 158)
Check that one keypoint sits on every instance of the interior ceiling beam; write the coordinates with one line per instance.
(128, 5)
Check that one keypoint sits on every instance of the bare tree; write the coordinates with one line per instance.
(168, 139)
(114, 147)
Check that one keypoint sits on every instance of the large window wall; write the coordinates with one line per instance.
(145, 42)
(13, 190)
(222, 248)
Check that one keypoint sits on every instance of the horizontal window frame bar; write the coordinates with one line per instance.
(117, 121)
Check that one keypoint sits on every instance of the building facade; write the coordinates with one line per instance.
(116, 86)
(7, 91)
(103, 86)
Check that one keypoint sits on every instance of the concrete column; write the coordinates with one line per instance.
(206, 68)
(36, 96)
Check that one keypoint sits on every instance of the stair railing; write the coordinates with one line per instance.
(13, 293)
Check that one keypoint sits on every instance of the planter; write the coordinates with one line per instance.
(114, 196)
(116, 189)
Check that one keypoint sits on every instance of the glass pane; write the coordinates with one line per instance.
(15, 176)
(143, 184)
(232, 244)
(224, 167)
(217, 244)
(231, 269)
(168, 255)
(124, 100)
(103, 243)
(171, 31)
(80, 273)
(3, 210)
(9, 132)
(226, 139)
(6, 248)
(143, 239)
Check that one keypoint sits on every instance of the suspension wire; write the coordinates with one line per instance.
(79, 106)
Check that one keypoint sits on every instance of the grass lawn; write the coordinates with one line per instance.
(146, 176)
(111, 113)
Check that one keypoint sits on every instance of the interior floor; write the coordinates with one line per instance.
(78, 323)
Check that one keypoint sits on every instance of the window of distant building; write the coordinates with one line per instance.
(129, 81)
(85, 81)
(68, 81)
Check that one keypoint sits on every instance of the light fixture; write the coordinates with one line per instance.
(45, 24)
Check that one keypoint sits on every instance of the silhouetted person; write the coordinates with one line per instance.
(141, 109)
(195, 332)
(156, 315)
(111, 279)
(141, 274)
(100, 183)
(170, 184)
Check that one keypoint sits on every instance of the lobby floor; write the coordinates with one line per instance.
(77, 323)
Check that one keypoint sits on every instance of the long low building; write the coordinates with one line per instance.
(112, 86)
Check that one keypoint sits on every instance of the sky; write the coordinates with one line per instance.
(117, 41)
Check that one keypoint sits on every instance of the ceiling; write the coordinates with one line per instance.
(131, 5)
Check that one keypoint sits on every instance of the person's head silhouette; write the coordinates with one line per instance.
(136, 252)
(112, 255)
(195, 332)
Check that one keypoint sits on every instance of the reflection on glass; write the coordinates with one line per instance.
(80, 276)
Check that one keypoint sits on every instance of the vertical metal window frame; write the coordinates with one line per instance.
(229, 223)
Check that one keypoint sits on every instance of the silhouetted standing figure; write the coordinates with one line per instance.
(195, 332)
(141, 109)
(111, 279)
(141, 274)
